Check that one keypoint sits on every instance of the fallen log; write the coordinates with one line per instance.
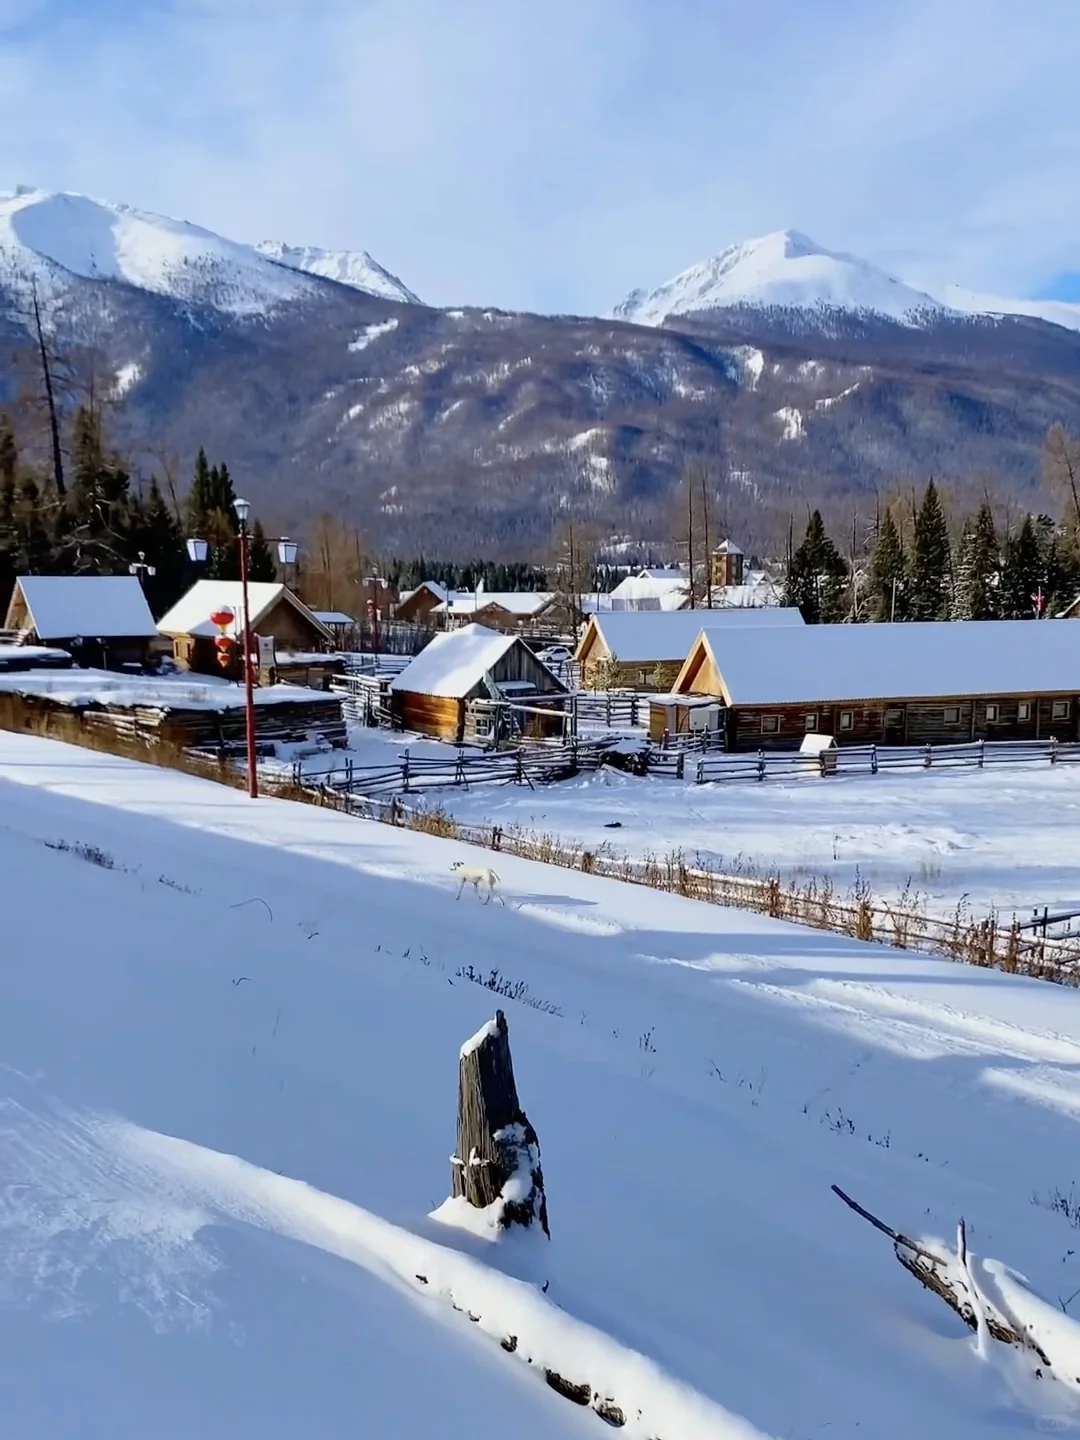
(949, 1277)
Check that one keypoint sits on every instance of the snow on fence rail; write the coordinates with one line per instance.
(619, 708)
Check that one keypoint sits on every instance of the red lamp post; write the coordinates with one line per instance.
(198, 551)
(243, 510)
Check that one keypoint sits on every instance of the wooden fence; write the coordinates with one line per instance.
(617, 709)
(987, 940)
(528, 765)
(873, 759)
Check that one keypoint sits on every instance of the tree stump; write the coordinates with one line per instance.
(497, 1161)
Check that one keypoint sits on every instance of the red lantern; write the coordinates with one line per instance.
(223, 617)
(224, 647)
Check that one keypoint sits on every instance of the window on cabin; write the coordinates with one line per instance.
(952, 714)
(770, 724)
(1023, 710)
(1060, 710)
(894, 716)
(847, 719)
(810, 720)
(991, 714)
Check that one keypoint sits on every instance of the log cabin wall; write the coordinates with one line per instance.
(439, 715)
(905, 722)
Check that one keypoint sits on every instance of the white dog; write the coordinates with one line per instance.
(475, 875)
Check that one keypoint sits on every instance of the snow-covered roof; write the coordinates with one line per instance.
(727, 547)
(650, 592)
(191, 613)
(786, 665)
(637, 637)
(30, 657)
(333, 617)
(439, 591)
(516, 602)
(455, 662)
(79, 688)
(757, 590)
(97, 607)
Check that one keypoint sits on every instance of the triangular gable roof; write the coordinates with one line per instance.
(97, 607)
(951, 659)
(455, 662)
(641, 637)
(191, 613)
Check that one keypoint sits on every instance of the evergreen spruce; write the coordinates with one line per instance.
(1023, 574)
(816, 575)
(930, 577)
(888, 573)
(261, 563)
(977, 591)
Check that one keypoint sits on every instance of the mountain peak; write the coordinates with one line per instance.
(59, 239)
(784, 270)
(355, 268)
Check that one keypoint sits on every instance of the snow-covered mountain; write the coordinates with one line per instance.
(355, 268)
(57, 239)
(785, 270)
(976, 302)
(789, 271)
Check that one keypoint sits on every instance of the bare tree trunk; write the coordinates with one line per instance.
(496, 1145)
(50, 398)
(706, 557)
(690, 538)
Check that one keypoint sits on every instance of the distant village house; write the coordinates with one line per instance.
(100, 620)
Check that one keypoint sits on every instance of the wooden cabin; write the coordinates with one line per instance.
(415, 607)
(102, 621)
(645, 649)
(505, 610)
(276, 614)
(905, 684)
(472, 675)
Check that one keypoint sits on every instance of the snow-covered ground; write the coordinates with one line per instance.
(1007, 837)
(228, 1056)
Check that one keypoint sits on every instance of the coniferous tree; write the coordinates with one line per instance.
(261, 563)
(156, 534)
(977, 591)
(816, 575)
(888, 573)
(930, 578)
(1023, 574)
(1060, 547)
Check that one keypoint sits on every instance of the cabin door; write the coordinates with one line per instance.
(895, 727)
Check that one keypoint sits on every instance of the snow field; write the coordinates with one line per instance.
(1005, 838)
(227, 1080)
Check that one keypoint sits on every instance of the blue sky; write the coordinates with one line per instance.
(555, 155)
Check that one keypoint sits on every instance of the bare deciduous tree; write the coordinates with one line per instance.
(1061, 467)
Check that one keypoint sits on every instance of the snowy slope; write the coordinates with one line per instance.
(355, 268)
(783, 270)
(975, 302)
(215, 1199)
(57, 237)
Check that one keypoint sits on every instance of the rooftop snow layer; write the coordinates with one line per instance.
(454, 662)
(191, 613)
(97, 607)
(77, 688)
(785, 666)
(638, 636)
(517, 602)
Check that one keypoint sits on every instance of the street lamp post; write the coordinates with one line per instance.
(243, 510)
(198, 551)
(142, 569)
